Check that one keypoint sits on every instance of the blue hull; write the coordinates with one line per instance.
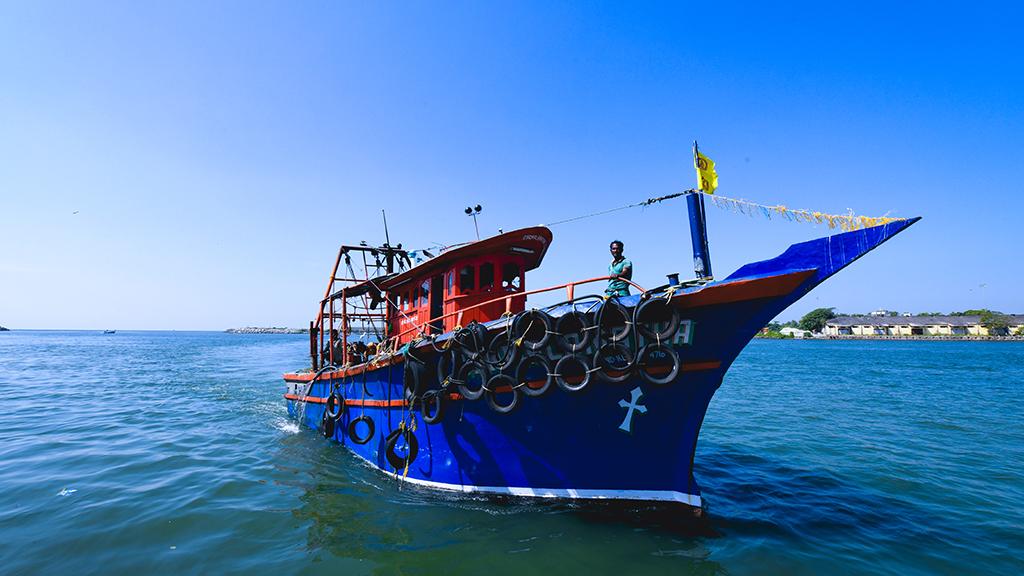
(576, 445)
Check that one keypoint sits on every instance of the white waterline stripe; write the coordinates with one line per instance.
(572, 493)
(589, 494)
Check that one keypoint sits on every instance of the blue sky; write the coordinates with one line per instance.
(218, 153)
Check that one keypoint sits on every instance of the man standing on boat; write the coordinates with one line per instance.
(339, 348)
(619, 269)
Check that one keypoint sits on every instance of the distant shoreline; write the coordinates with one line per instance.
(272, 330)
(930, 338)
(943, 337)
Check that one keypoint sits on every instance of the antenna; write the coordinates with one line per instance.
(473, 212)
(387, 239)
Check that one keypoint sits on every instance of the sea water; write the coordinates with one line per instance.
(172, 452)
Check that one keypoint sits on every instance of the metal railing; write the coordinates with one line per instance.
(392, 342)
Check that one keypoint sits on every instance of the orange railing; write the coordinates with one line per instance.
(327, 309)
(508, 298)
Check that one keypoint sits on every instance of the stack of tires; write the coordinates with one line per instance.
(536, 352)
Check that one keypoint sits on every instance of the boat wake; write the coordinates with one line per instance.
(287, 426)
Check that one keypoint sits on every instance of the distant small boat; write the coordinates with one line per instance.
(110, 331)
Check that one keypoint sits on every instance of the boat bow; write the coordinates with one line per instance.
(826, 255)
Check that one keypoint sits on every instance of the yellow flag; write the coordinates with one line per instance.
(707, 178)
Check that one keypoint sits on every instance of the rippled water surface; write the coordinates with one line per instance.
(172, 452)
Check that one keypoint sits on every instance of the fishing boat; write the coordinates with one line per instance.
(466, 387)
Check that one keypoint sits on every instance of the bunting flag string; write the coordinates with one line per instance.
(845, 222)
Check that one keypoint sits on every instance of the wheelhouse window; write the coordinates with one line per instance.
(486, 276)
(450, 280)
(467, 278)
(425, 293)
(510, 277)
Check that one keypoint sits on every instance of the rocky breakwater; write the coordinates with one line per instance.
(273, 330)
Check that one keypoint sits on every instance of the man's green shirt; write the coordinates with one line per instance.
(617, 286)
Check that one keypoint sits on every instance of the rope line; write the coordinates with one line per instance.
(647, 202)
(845, 222)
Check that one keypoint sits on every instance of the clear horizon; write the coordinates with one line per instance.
(780, 318)
(195, 167)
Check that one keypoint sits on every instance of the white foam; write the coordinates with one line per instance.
(286, 426)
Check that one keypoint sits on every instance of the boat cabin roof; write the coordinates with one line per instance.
(531, 244)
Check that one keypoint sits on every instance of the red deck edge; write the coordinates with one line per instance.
(319, 400)
(739, 290)
(344, 372)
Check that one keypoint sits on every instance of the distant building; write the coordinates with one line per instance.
(875, 326)
(883, 312)
(795, 332)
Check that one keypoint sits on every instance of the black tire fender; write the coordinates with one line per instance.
(433, 398)
(448, 364)
(653, 311)
(642, 360)
(471, 340)
(609, 310)
(354, 436)
(501, 353)
(605, 371)
(327, 426)
(530, 323)
(525, 364)
(414, 379)
(391, 442)
(465, 372)
(574, 322)
(563, 365)
(496, 383)
(335, 407)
